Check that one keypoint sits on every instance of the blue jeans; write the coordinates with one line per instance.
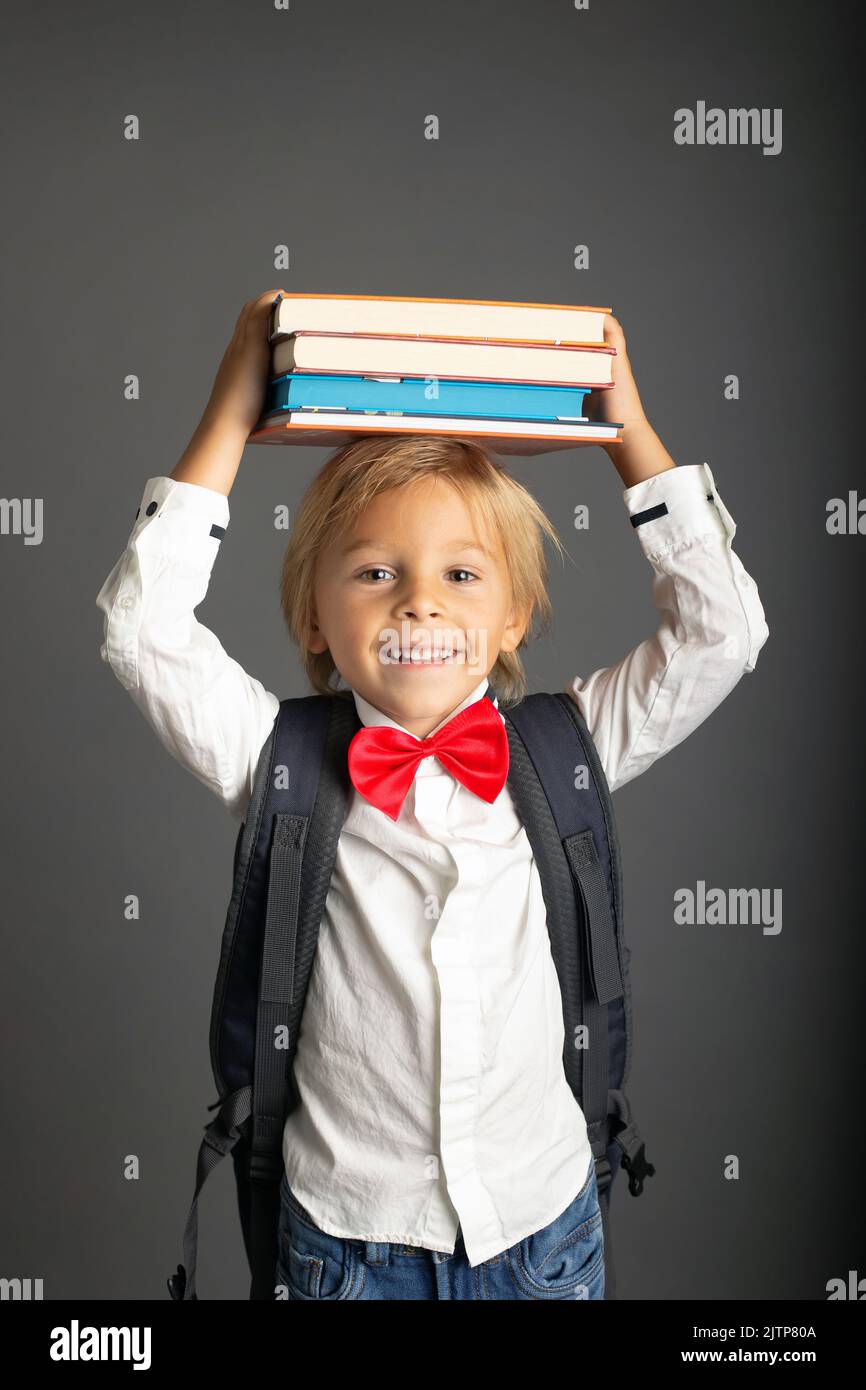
(562, 1260)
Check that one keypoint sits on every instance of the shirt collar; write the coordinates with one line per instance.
(370, 715)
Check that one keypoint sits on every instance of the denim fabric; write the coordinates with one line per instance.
(562, 1260)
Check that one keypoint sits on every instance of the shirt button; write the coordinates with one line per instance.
(151, 508)
(127, 601)
(745, 581)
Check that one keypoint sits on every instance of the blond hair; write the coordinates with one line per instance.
(356, 473)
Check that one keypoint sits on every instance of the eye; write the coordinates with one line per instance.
(376, 569)
(380, 569)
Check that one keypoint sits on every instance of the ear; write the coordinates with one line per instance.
(515, 628)
(316, 641)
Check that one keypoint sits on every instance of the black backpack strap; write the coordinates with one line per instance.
(569, 856)
(528, 792)
(309, 804)
(621, 1125)
(329, 813)
(573, 836)
(235, 1107)
(298, 803)
(269, 1087)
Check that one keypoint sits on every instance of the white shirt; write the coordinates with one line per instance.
(429, 1061)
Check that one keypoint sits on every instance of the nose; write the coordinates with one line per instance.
(419, 601)
(419, 611)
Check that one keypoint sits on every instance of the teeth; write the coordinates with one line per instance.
(422, 656)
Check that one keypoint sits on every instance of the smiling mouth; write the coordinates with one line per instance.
(424, 657)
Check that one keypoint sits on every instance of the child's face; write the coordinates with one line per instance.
(410, 578)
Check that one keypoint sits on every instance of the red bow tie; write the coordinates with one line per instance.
(473, 745)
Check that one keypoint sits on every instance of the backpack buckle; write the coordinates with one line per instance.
(638, 1167)
(602, 1173)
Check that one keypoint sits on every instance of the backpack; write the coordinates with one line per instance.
(283, 861)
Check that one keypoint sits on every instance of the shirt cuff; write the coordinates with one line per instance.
(185, 520)
(675, 506)
(680, 505)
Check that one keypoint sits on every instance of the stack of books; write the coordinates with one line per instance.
(513, 376)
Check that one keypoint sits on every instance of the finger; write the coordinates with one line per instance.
(613, 330)
(257, 313)
(259, 305)
(265, 299)
(619, 339)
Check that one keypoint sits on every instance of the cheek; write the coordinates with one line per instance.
(355, 622)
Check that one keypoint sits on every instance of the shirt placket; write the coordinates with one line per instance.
(460, 1019)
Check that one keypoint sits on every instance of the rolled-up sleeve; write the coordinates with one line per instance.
(205, 709)
(711, 626)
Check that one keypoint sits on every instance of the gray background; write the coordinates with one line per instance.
(306, 127)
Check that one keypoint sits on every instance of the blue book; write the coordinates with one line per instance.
(414, 396)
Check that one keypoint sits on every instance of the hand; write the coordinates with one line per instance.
(620, 402)
(238, 394)
(213, 455)
(640, 453)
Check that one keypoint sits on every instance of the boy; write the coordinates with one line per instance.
(437, 1150)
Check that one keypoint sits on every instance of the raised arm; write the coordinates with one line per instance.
(205, 709)
(711, 620)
